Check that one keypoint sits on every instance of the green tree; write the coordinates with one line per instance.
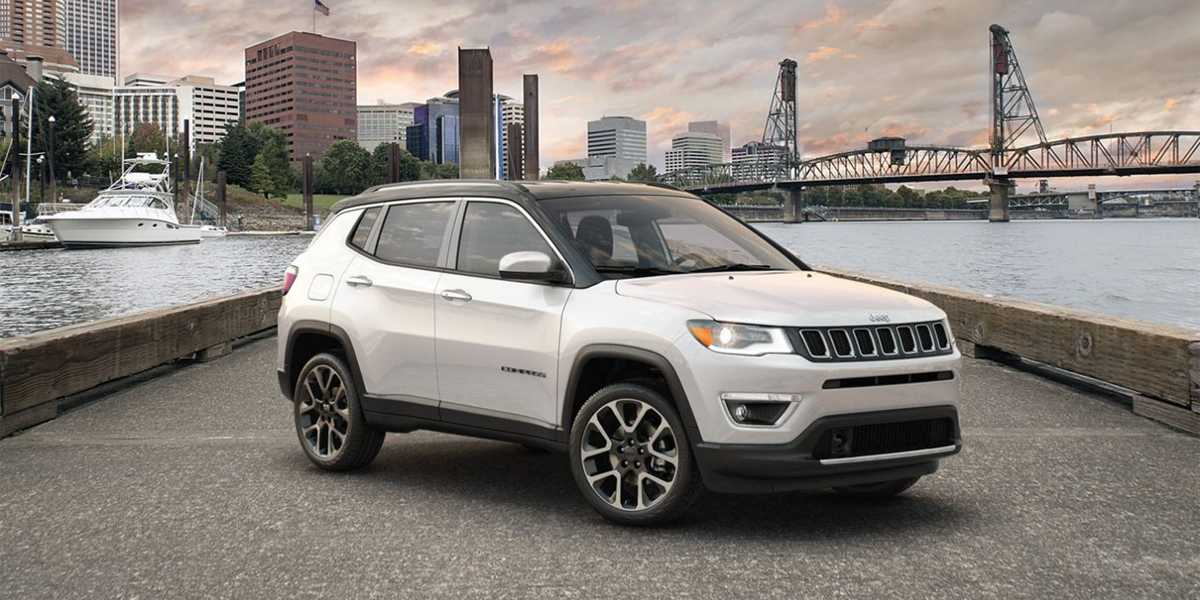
(104, 159)
(447, 171)
(146, 137)
(260, 177)
(72, 126)
(237, 152)
(274, 154)
(345, 169)
(644, 173)
(379, 164)
(565, 172)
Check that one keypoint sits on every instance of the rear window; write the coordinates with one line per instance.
(412, 234)
(363, 230)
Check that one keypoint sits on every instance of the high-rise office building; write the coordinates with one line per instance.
(433, 136)
(621, 139)
(384, 124)
(757, 160)
(511, 113)
(93, 36)
(719, 129)
(693, 149)
(34, 22)
(307, 86)
(169, 101)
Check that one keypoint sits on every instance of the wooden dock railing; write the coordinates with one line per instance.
(1160, 364)
(38, 370)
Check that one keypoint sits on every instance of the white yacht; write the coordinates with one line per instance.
(137, 210)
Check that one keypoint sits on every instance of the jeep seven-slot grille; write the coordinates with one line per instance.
(872, 342)
(884, 438)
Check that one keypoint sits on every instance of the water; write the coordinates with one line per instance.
(1147, 269)
(1144, 269)
(43, 289)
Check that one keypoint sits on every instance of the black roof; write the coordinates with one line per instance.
(511, 190)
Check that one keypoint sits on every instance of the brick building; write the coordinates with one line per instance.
(306, 85)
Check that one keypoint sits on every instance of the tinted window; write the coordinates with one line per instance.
(490, 231)
(639, 236)
(363, 230)
(412, 234)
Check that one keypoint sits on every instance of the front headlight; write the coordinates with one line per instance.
(747, 340)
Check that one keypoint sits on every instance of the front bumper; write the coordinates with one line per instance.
(760, 468)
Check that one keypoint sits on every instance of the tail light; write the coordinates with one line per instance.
(289, 277)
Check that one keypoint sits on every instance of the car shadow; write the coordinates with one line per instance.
(504, 477)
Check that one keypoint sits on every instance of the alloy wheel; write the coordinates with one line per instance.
(630, 455)
(324, 413)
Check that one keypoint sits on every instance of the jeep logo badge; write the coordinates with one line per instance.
(880, 319)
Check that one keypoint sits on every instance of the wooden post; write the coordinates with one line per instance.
(530, 141)
(50, 162)
(308, 192)
(15, 152)
(221, 195)
(393, 163)
(187, 160)
(516, 152)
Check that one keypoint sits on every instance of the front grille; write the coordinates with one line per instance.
(874, 342)
(884, 438)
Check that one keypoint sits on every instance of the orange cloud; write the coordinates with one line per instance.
(833, 14)
(1102, 121)
(425, 48)
(907, 130)
(629, 4)
(821, 53)
(665, 122)
(1091, 107)
(1170, 104)
(875, 23)
(889, 98)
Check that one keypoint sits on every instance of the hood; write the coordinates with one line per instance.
(782, 298)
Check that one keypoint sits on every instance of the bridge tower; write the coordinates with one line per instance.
(1013, 114)
(781, 132)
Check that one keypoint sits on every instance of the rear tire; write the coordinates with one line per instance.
(631, 458)
(333, 432)
(883, 489)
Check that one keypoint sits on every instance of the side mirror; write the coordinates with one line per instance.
(529, 266)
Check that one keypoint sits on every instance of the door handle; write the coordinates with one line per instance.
(358, 280)
(452, 295)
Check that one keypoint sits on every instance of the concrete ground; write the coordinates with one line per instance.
(193, 485)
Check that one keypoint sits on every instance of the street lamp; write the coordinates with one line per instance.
(50, 162)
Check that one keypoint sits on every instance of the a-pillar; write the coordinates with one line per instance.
(998, 199)
(792, 204)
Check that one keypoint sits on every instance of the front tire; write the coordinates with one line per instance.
(883, 489)
(631, 458)
(329, 419)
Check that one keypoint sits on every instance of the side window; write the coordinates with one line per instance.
(363, 230)
(489, 231)
(412, 234)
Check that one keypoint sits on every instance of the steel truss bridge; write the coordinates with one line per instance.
(1139, 153)
(776, 162)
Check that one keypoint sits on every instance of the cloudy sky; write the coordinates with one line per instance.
(913, 68)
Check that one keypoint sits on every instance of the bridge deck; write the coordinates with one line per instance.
(192, 484)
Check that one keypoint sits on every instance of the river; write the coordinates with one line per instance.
(1146, 269)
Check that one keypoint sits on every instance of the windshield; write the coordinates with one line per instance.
(639, 236)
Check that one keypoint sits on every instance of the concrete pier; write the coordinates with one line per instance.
(793, 203)
(998, 199)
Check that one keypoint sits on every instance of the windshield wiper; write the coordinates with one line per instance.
(734, 267)
(635, 270)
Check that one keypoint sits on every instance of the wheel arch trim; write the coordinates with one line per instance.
(594, 351)
(290, 371)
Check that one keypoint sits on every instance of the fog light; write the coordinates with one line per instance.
(758, 409)
(740, 413)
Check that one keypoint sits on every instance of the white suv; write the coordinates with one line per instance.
(662, 343)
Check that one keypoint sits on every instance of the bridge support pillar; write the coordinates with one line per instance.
(998, 199)
(792, 203)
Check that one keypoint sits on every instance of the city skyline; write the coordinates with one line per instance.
(916, 69)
